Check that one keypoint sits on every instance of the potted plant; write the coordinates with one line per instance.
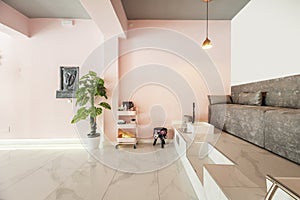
(90, 88)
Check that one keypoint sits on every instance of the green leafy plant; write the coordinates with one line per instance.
(90, 87)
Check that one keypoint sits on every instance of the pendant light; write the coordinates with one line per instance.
(207, 43)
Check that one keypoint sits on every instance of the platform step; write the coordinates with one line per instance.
(228, 182)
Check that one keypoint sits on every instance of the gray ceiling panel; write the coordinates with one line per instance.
(135, 9)
(49, 8)
(182, 9)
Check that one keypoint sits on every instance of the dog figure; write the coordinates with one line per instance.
(161, 134)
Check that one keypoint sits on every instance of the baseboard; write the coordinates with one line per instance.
(64, 143)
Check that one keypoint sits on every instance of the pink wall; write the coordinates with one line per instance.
(163, 69)
(29, 77)
(32, 111)
(13, 22)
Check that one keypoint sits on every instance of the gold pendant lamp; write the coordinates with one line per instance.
(207, 43)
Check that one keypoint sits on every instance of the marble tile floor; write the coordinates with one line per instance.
(145, 158)
(75, 175)
(44, 174)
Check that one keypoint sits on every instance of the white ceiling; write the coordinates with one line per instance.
(135, 9)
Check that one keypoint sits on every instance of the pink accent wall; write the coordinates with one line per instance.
(29, 77)
(162, 101)
(219, 33)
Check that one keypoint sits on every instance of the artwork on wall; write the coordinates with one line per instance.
(69, 77)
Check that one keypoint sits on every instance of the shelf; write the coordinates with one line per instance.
(126, 125)
(126, 140)
(126, 113)
(130, 137)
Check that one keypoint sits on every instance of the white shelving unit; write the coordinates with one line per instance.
(130, 127)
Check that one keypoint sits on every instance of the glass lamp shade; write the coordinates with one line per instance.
(207, 44)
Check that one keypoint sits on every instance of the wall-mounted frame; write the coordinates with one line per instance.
(69, 77)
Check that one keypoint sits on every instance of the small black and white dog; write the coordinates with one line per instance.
(160, 133)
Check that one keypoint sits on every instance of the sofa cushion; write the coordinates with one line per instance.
(219, 99)
(250, 98)
(282, 133)
(217, 115)
(235, 97)
(246, 122)
(284, 98)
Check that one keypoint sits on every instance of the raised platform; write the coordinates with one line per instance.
(245, 178)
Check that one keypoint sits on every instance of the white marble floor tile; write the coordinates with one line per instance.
(174, 183)
(4, 153)
(17, 164)
(90, 182)
(126, 161)
(41, 182)
(17, 156)
(133, 186)
(145, 158)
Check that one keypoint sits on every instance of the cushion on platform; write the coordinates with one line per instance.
(250, 98)
(219, 99)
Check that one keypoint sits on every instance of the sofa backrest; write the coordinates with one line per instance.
(279, 92)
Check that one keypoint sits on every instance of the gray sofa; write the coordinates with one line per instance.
(265, 113)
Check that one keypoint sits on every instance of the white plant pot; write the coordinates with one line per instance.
(92, 143)
(101, 141)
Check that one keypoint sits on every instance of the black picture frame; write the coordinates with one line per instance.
(69, 78)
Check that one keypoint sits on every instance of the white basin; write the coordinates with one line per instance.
(200, 127)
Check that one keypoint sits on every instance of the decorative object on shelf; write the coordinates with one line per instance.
(187, 118)
(128, 105)
(121, 121)
(125, 134)
(68, 82)
(207, 43)
(121, 108)
(90, 87)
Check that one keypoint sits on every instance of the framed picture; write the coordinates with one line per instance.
(69, 77)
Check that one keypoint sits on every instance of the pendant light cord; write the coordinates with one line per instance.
(206, 18)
